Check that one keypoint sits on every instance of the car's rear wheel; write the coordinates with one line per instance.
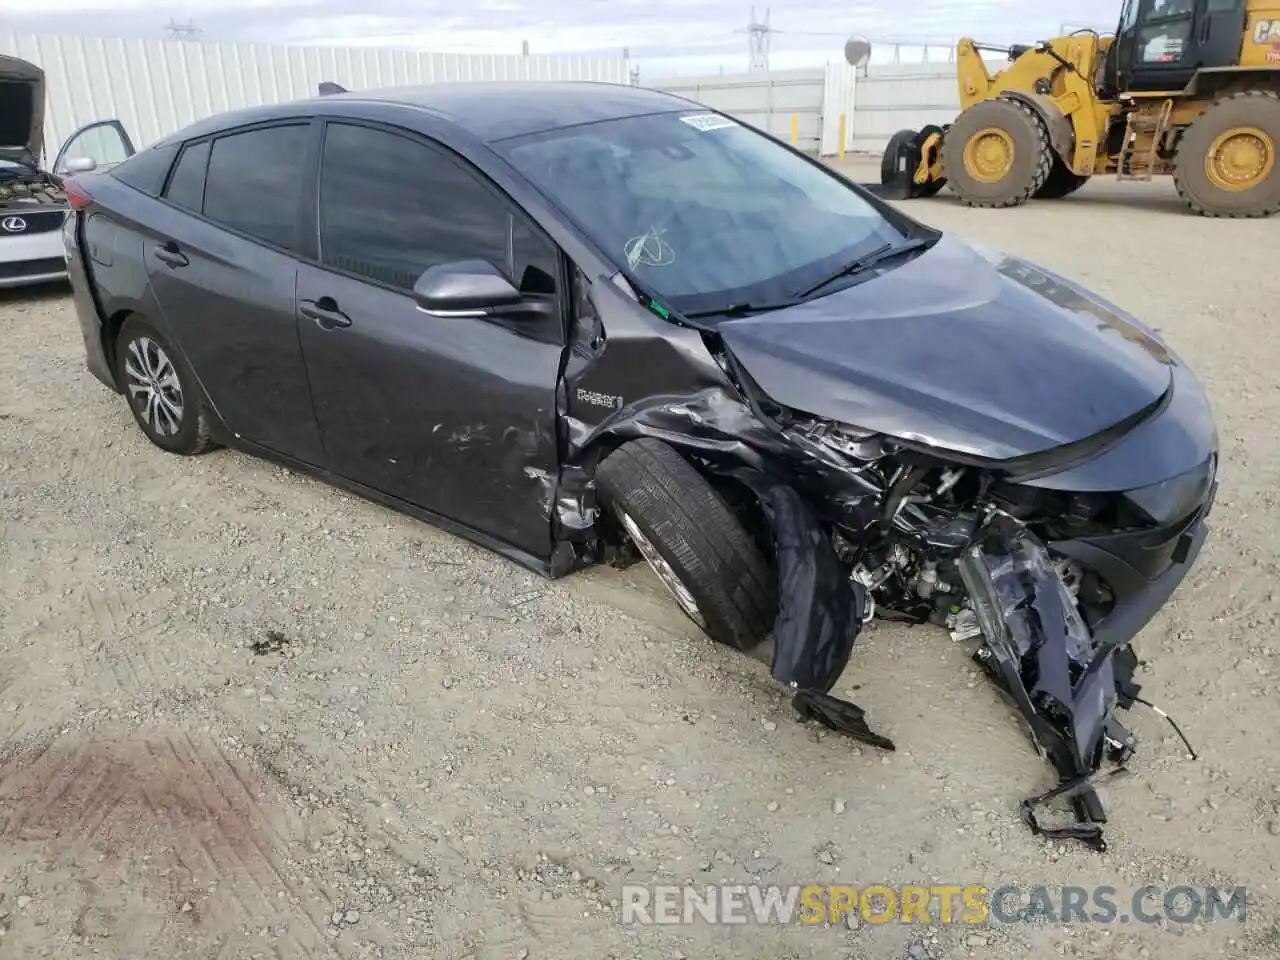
(162, 393)
(695, 544)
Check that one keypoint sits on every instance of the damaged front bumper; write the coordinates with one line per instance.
(1065, 679)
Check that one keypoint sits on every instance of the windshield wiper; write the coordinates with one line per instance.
(876, 257)
(739, 310)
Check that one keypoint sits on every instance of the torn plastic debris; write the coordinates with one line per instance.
(819, 607)
(1040, 651)
(838, 715)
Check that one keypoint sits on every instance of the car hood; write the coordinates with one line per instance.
(21, 111)
(960, 348)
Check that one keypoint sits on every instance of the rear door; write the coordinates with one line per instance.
(454, 415)
(224, 275)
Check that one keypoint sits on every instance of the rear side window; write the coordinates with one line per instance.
(254, 182)
(146, 169)
(391, 207)
(186, 186)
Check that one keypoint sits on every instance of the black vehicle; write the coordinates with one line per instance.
(564, 320)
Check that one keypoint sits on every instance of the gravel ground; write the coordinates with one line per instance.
(245, 715)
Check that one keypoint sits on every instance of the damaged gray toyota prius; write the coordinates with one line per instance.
(584, 323)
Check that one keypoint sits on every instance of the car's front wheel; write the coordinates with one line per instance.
(162, 393)
(695, 544)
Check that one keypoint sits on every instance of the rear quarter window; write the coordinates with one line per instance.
(147, 169)
(186, 186)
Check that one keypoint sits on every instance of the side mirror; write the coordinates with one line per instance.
(81, 165)
(468, 288)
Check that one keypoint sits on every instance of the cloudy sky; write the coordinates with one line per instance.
(663, 36)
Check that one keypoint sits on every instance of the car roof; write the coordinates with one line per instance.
(487, 111)
(492, 111)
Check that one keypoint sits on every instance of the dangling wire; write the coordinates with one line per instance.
(1176, 729)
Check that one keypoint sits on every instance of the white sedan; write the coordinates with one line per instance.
(33, 205)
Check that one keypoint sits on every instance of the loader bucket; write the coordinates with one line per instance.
(899, 164)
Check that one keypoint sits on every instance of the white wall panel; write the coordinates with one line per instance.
(767, 101)
(155, 86)
(904, 96)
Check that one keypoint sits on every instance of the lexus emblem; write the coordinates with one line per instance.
(13, 224)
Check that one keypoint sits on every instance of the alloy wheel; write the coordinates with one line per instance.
(154, 388)
(670, 579)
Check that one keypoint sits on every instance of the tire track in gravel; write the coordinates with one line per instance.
(177, 806)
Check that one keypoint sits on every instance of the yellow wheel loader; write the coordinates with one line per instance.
(1184, 88)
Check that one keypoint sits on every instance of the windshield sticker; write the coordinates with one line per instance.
(708, 121)
(649, 250)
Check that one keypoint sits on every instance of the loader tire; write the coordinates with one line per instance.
(997, 154)
(687, 531)
(1061, 182)
(1226, 163)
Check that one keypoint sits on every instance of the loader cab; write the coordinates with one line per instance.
(1160, 44)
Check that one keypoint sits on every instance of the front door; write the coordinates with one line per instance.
(1164, 45)
(223, 262)
(97, 146)
(454, 415)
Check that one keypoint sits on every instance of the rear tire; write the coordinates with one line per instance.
(1061, 182)
(162, 392)
(1235, 136)
(997, 154)
(695, 544)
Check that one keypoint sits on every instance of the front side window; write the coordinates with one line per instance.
(1164, 43)
(254, 182)
(390, 207)
(702, 211)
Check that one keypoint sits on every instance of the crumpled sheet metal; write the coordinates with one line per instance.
(1039, 649)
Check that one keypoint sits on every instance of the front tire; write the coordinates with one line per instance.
(997, 154)
(161, 390)
(695, 544)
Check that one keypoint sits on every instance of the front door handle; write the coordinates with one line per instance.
(170, 254)
(325, 313)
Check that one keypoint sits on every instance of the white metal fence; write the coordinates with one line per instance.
(784, 103)
(804, 107)
(814, 107)
(902, 96)
(156, 87)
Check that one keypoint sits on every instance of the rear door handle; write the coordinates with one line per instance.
(325, 313)
(171, 255)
